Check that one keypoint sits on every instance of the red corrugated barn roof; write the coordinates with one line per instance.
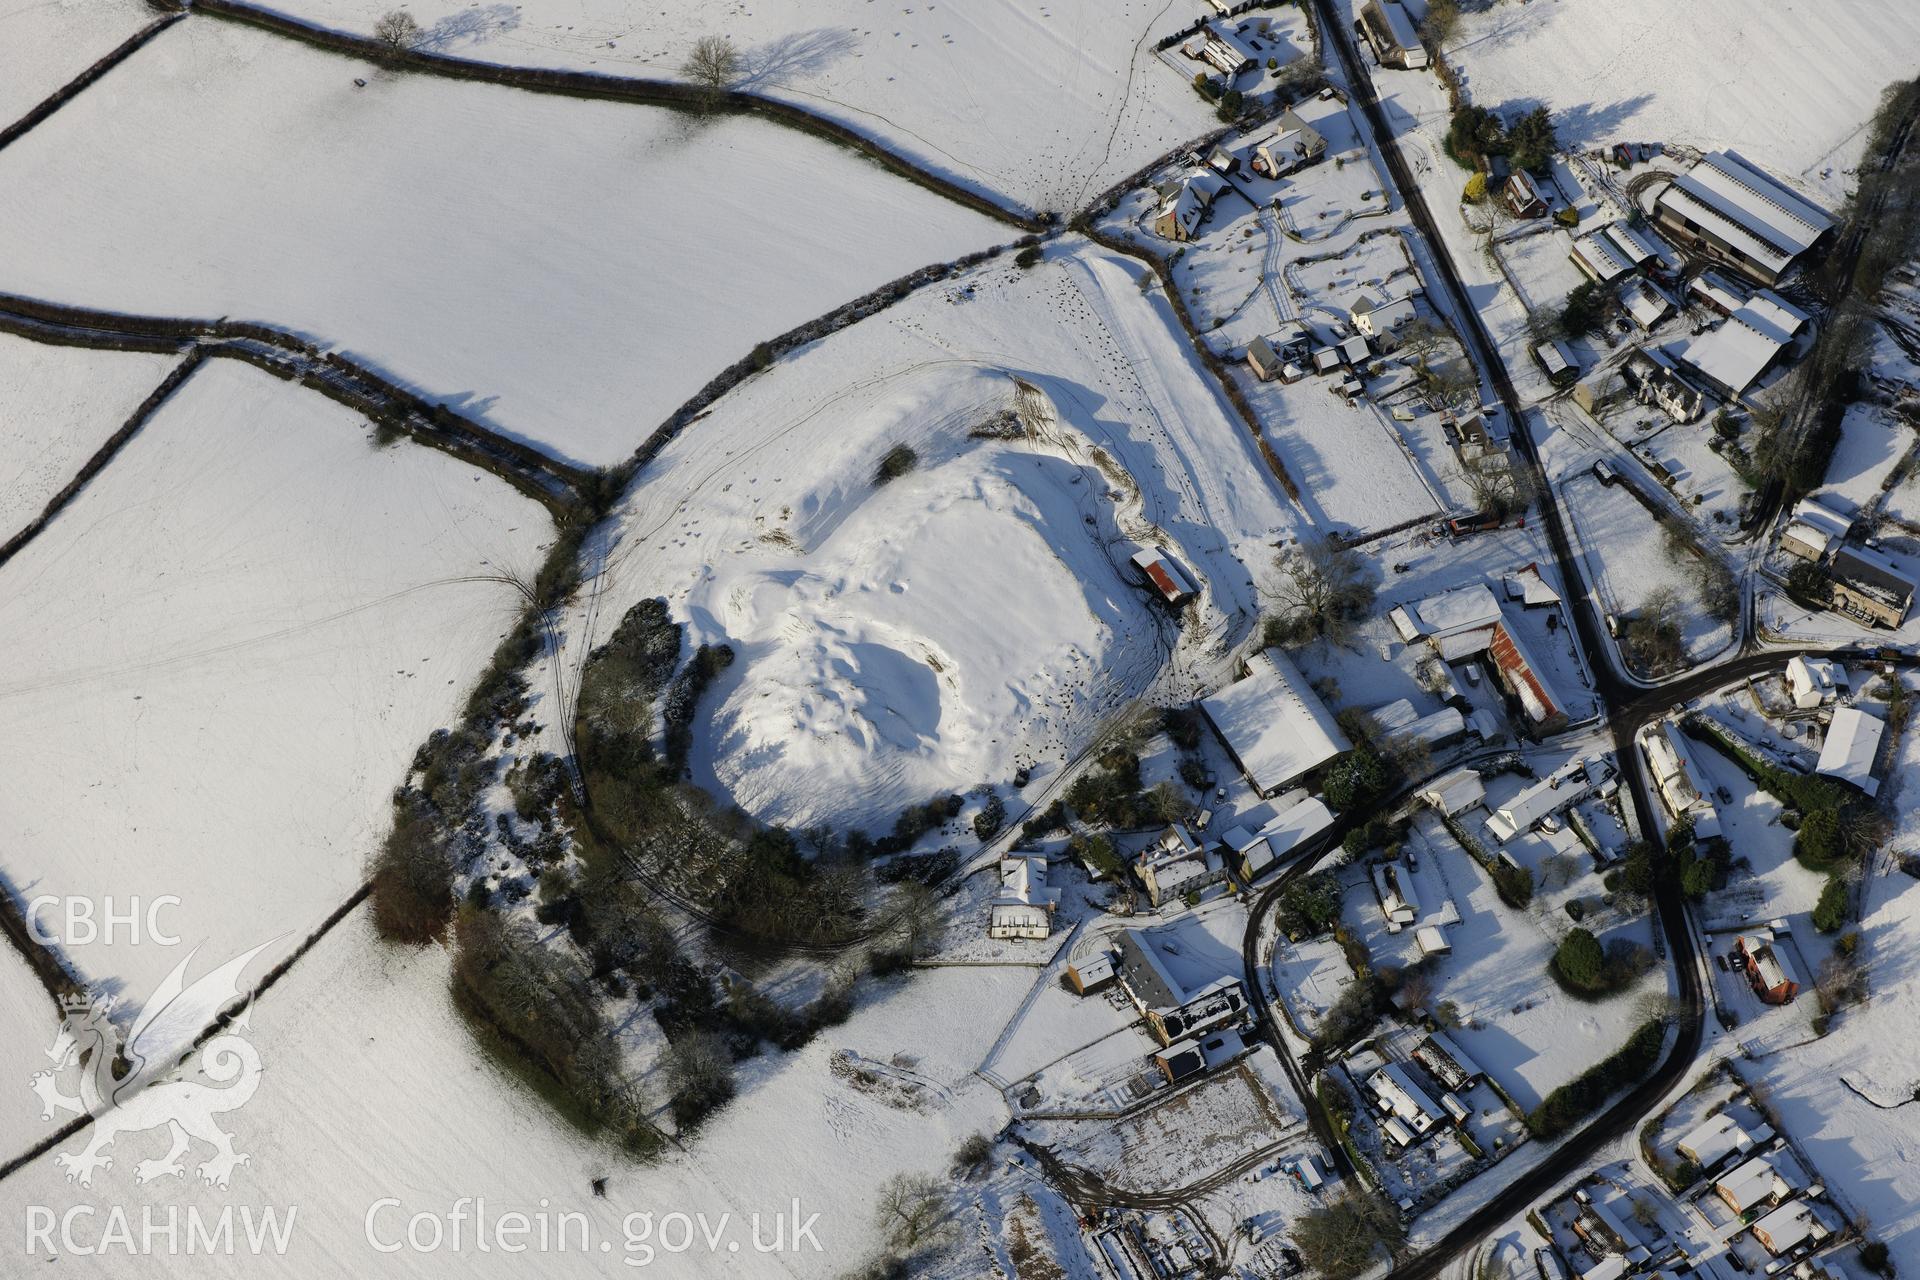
(1513, 664)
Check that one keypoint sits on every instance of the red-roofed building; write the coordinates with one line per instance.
(1164, 576)
(1524, 680)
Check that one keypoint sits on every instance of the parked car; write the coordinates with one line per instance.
(1739, 962)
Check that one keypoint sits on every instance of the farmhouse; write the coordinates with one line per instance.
(1726, 209)
(1273, 724)
(1523, 195)
(1767, 970)
(1382, 320)
(1814, 682)
(1851, 748)
(1395, 40)
(1870, 587)
(1025, 905)
(1282, 354)
(1720, 1136)
(1655, 381)
(1301, 829)
(1175, 865)
(1172, 1013)
(1397, 1094)
(1164, 576)
(1187, 205)
(1814, 530)
(1455, 792)
(1676, 777)
(1544, 798)
(1293, 145)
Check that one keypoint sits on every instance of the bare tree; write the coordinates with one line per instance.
(398, 31)
(1416, 989)
(700, 1073)
(1497, 485)
(1652, 639)
(1341, 1238)
(912, 1210)
(1321, 589)
(919, 915)
(1558, 869)
(713, 64)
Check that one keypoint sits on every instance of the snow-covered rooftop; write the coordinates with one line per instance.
(1713, 1140)
(1274, 723)
(1735, 353)
(1455, 792)
(1761, 203)
(1852, 745)
(1461, 609)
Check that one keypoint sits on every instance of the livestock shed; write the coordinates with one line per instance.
(1730, 210)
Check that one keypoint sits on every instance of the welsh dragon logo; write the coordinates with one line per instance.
(143, 1085)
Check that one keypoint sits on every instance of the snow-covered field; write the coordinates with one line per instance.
(223, 654)
(362, 1030)
(46, 43)
(1790, 85)
(1044, 105)
(28, 1023)
(567, 271)
(931, 633)
(57, 405)
(1626, 552)
(1872, 442)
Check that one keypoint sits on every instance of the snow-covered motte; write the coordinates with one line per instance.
(978, 610)
(566, 271)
